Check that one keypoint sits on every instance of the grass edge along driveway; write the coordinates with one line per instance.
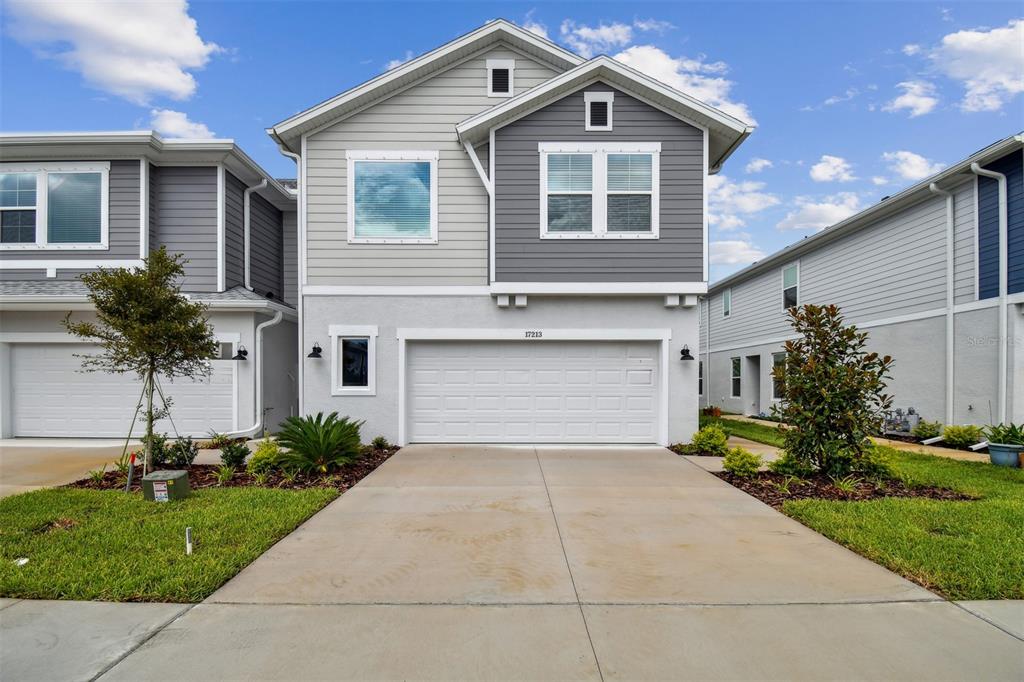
(112, 546)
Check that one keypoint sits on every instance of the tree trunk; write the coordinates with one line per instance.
(149, 420)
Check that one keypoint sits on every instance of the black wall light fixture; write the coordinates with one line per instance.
(315, 354)
(684, 354)
(242, 353)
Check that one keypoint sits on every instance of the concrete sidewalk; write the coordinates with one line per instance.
(476, 562)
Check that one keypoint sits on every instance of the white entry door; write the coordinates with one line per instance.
(51, 396)
(533, 392)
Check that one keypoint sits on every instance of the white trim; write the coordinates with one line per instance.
(221, 231)
(42, 171)
(771, 372)
(599, 193)
(510, 65)
(782, 283)
(492, 274)
(401, 391)
(338, 334)
(471, 151)
(143, 208)
(389, 156)
(598, 288)
(41, 337)
(81, 264)
(590, 97)
(704, 206)
(975, 244)
(397, 290)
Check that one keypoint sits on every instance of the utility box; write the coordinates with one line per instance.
(164, 486)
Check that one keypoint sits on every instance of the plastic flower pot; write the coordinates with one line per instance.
(1005, 455)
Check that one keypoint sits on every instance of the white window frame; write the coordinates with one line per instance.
(782, 273)
(599, 152)
(771, 376)
(700, 378)
(338, 334)
(393, 156)
(589, 97)
(509, 64)
(735, 372)
(42, 172)
(727, 303)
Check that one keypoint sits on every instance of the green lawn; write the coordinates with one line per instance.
(106, 545)
(766, 432)
(963, 550)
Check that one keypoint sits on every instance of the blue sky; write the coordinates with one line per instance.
(852, 101)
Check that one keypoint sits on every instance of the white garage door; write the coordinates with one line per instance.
(540, 392)
(50, 396)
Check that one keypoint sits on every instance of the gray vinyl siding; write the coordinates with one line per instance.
(290, 229)
(522, 256)
(123, 211)
(154, 206)
(234, 232)
(188, 221)
(422, 117)
(266, 266)
(964, 246)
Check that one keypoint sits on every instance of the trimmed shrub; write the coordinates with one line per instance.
(380, 443)
(183, 452)
(233, 454)
(742, 462)
(318, 444)
(710, 440)
(926, 429)
(266, 458)
(788, 465)
(962, 436)
(160, 455)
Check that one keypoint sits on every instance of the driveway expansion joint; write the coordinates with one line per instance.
(156, 631)
(988, 620)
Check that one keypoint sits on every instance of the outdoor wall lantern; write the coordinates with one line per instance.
(315, 354)
(242, 353)
(684, 354)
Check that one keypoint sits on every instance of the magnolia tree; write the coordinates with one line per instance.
(833, 393)
(145, 325)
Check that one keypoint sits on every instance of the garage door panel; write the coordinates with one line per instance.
(494, 391)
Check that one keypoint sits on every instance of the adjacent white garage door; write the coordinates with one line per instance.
(541, 392)
(50, 396)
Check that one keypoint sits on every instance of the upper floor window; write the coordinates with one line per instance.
(500, 75)
(392, 197)
(790, 286)
(593, 190)
(54, 206)
(598, 110)
(727, 303)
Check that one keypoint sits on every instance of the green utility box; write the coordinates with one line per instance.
(164, 486)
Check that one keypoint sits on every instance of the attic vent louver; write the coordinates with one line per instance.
(599, 114)
(499, 81)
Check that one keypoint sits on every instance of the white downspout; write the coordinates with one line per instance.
(300, 244)
(246, 219)
(950, 331)
(258, 424)
(1004, 231)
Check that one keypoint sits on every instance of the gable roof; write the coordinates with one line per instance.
(725, 133)
(288, 132)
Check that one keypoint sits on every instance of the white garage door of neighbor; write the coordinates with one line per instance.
(51, 396)
(540, 392)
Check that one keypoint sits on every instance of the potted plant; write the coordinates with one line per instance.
(1005, 444)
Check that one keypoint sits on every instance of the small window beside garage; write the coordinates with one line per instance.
(225, 350)
(353, 360)
(737, 377)
(500, 74)
(700, 377)
(790, 286)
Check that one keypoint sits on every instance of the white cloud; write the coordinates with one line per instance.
(911, 166)
(756, 165)
(591, 40)
(653, 25)
(177, 124)
(832, 169)
(817, 215)
(879, 180)
(911, 49)
(918, 98)
(534, 26)
(696, 77)
(845, 97)
(135, 50)
(989, 64)
(394, 63)
(729, 201)
(734, 252)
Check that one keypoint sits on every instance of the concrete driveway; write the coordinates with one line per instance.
(565, 563)
(31, 463)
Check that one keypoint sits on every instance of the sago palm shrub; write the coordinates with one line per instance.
(319, 444)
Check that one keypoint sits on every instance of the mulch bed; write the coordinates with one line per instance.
(205, 476)
(766, 487)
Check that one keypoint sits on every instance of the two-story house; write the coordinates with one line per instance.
(501, 241)
(73, 202)
(934, 273)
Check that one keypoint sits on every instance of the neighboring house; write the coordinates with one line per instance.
(503, 242)
(935, 274)
(73, 202)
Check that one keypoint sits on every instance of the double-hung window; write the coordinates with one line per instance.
(737, 377)
(599, 190)
(392, 197)
(353, 360)
(54, 206)
(790, 286)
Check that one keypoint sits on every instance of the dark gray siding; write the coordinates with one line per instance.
(291, 257)
(522, 256)
(234, 231)
(188, 221)
(266, 264)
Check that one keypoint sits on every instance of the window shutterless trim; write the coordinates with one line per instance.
(338, 334)
(795, 264)
(727, 302)
(42, 170)
(510, 65)
(590, 97)
(735, 374)
(599, 152)
(387, 155)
